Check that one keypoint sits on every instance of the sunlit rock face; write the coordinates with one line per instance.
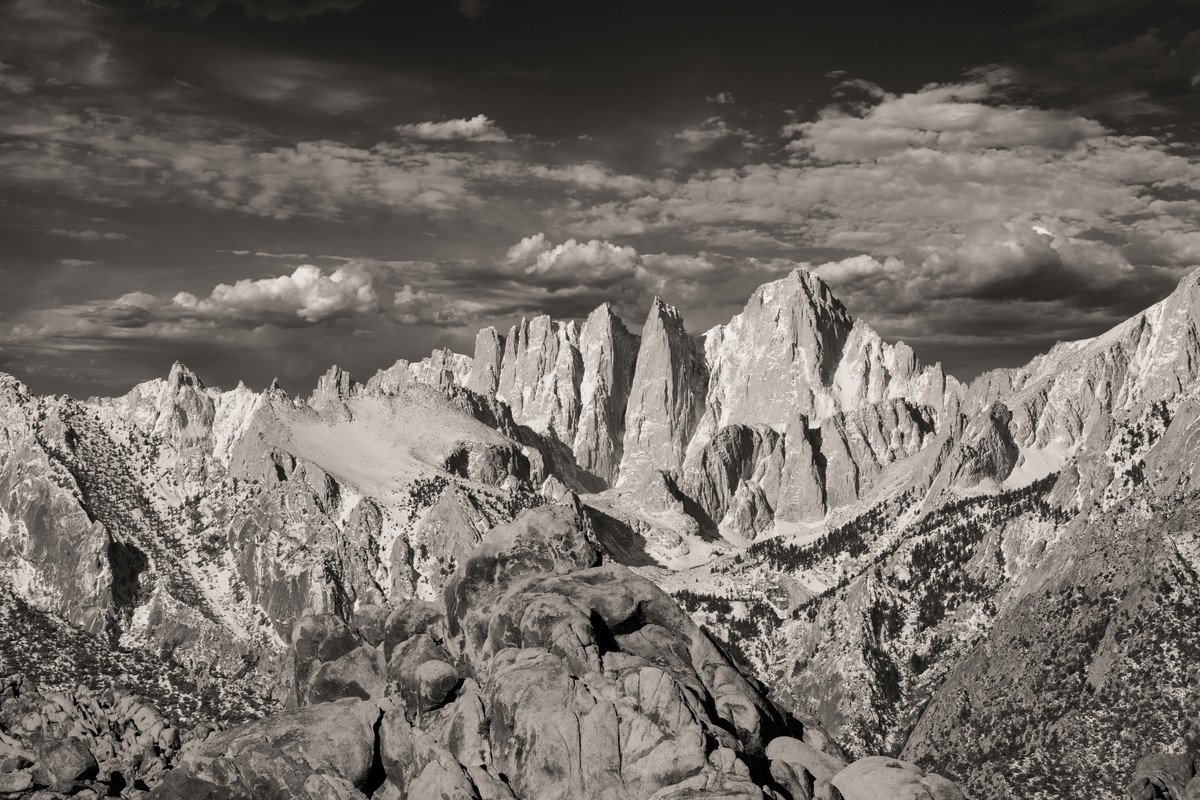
(666, 400)
(448, 545)
(609, 353)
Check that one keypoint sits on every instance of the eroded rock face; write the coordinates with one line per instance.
(1162, 775)
(609, 353)
(443, 370)
(331, 660)
(334, 387)
(776, 358)
(666, 400)
(484, 377)
(49, 536)
(728, 473)
(987, 451)
(541, 374)
(293, 556)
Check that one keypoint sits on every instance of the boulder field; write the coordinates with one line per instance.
(542, 673)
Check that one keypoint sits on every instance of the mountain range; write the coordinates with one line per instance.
(780, 558)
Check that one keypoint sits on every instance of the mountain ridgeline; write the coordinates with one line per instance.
(782, 558)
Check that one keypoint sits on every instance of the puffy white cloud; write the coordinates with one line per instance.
(308, 293)
(578, 262)
(478, 128)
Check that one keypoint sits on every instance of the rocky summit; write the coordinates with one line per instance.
(781, 558)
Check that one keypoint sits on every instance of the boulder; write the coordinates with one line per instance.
(546, 539)
(14, 782)
(332, 661)
(281, 754)
(63, 762)
(1161, 775)
(371, 622)
(875, 777)
(422, 673)
(801, 756)
(407, 620)
(417, 765)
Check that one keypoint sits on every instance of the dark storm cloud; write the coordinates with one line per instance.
(1119, 59)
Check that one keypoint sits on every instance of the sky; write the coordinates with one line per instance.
(263, 188)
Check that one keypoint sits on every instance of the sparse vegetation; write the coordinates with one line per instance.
(58, 656)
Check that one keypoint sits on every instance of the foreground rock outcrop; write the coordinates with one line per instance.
(543, 673)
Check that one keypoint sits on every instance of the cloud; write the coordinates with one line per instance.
(88, 235)
(478, 128)
(115, 159)
(112, 159)
(292, 82)
(593, 262)
(471, 9)
(925, 170)
(308, 293)
(14, 83)
(592, 176)
(711, 130)
(1024, 279)
(721, 98)
(946, 118)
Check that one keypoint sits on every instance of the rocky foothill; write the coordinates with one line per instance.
(541, 673)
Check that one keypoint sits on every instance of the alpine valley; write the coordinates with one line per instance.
(782, 558)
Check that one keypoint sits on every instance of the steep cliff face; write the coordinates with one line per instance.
(333, 388)
(795, 351)
(777, 358)
(793, 360)
(540, 376)
(484, 377)
(51, 551)
(666, 400)
(847, 403)
(609, 354)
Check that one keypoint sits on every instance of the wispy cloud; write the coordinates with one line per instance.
(948, 118)
(89, 235)
(478, 128)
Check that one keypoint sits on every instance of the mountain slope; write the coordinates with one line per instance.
(996, 581)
